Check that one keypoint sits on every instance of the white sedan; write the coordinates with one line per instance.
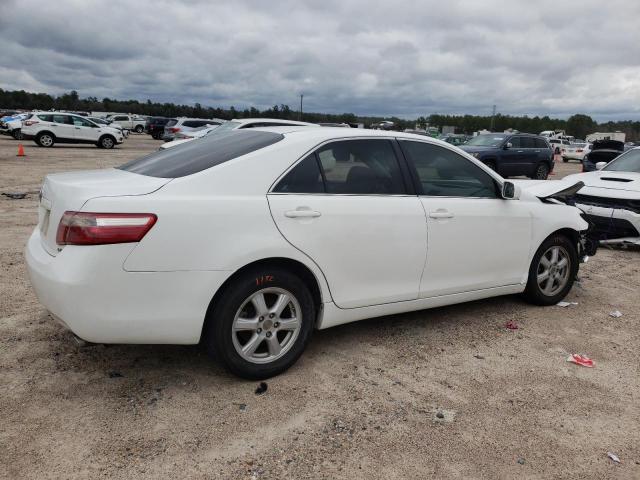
(611, 199)
(250, 240)
(575, 151)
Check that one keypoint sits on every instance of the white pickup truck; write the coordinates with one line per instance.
(128, 122)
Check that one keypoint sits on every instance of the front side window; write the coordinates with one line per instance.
(516, 142)
(81, 122)
(351, 167)
(443, 173)
(629, 162)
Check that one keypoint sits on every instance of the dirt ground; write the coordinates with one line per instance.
(364, 401)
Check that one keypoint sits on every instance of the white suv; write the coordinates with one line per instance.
(48, 128)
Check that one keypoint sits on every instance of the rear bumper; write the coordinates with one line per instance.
(87, 290)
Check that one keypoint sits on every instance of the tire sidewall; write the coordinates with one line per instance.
(102, 142)
(139, 129)
(538, 167)
(217, 334)
(40, 137)
(532, 291)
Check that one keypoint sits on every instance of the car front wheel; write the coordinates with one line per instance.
(261, 323)
(552, 272)
(106, 142)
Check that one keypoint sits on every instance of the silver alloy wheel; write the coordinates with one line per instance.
(107, 142)
(46, 140)
(266, 325)
(553, 270)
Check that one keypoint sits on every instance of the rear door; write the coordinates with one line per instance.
(349, 206)
(62, 126)
(512, 157)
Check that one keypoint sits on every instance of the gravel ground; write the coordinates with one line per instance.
(443, 393)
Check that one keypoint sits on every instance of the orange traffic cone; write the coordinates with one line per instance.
(20, 151)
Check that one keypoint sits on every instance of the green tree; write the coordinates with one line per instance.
(579, 125)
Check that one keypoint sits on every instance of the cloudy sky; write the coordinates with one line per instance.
(368, 57)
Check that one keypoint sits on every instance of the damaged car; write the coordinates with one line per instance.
(601, 151)
(610, 199)
(249, 240)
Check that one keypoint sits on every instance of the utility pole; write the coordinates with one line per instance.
(493, 115)
(300, 114)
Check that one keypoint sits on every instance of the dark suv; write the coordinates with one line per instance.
(155, 126)
(513, 154)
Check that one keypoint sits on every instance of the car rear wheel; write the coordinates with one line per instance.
(552, 272)
(565, 159)
(45, 140)
(261, 323)
(542, 172)
(106, 142)
(139, 129)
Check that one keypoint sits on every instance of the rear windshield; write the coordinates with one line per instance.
(201, 154)
(171, 122)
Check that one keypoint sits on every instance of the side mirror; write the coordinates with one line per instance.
(600, 165)
(510, 191)
(508, 145)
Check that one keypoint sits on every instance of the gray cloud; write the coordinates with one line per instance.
(393, 58)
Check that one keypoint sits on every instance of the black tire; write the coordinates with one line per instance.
(107, 142)
(17, 134)
(46, 139)
(533, 292)
(565, 159)
(218, 334)
(139, 129)
(541, 172)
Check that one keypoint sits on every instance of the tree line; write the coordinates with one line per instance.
(578, 125)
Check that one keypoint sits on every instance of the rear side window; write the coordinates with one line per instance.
(353, 167)
(443, 173)
(46, 118)
(305, 177)
(198, 123)
(65, 119)
(193, 157)
(540, 143)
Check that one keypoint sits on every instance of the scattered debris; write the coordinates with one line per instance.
(613, 457)
(443, 416)
(581, 360)
(566, 304)
(243, 407)
(615, 314)
(521, 461)
(262, 388)
(511, 325)
(479, 357)
(15, 195)
(114, 374)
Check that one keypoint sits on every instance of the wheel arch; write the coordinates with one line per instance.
(42, 132)
(297, 267)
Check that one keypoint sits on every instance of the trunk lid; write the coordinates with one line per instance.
(70, 191)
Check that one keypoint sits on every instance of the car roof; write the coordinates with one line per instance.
(279, 120)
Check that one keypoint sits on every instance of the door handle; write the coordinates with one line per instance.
(302, 213)
(440, 213)
(520, 151)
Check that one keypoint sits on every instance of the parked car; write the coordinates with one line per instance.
(251, 239)
(106, 123)
(242, 123)
(12, 125)
(155, 126)
(49, 128)
(601, 151)
(575, 151)
(184, 124)
(559, 145)
(455, 139)
(513, 154)
(611, 198)
(128, 122)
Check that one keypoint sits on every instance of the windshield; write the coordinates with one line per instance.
(627, 162)
(489, 140)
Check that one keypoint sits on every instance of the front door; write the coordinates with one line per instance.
(477, 240)
(348, 207)
(85, 131)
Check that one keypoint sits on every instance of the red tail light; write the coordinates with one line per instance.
(85, 228)
(579, 150)
(28, 123)
(174, 129)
